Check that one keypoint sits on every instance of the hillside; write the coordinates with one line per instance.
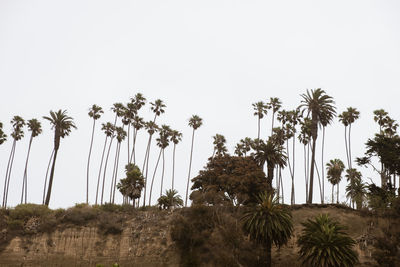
(86, 236)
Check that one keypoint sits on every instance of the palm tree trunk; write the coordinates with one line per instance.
(305, 171)
(116, 173)
(347, 150)
(147, 171)
(290, 170)
(133, 147)
(337, 196)
(281, 182)
(350, 161)
(173, 167)
(105, 171)
(310, 196)
(128, 137)
(272, 126)
(268, 247)
(319, 183)
(51, 178)
(162, 173)
(101, 165)
(322, 163)
(293, 166)
(25, 179)
(332, 194)
(190, 163)
(9, 175)
(258, 136)
(154, 175)
(7, 171)
(47, 172)
(270, 177)
(87, 168)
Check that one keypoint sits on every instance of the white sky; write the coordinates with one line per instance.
(211, 58)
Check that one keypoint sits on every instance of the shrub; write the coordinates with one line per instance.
(25, 211)
(80, 215)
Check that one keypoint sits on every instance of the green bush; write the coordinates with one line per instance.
(25, 211)
(80, 215)
(110, 223)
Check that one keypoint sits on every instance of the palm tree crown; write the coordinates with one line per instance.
(323, 243)
(95, 112)
(3, 136)
(195, 122)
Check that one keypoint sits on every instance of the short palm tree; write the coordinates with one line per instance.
(36, 128)
(335, 168)
(318, 105)
(259, 111)
(62, 125)
(17, 123)
(323, 243)
(356, 190)
(170, 200)
(131, 186)
(94, 113)
(268, 223)
(176, 137)
(195, 122)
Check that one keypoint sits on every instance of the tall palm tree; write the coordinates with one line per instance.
(176, 137)
(219, 145)
(137, 123)
(195, 122)
(3, 136)
(36, 128)
(275, 104)
(108, 129)
(335, 168)
(94, 113)
(294, 118)
(129, 115)
(137, 102)
(380, 116)
(120, 135)
(17, 123)
(323, 243)
(259, 111)
(62, 125)
(319, 105)
(353, 115)
(162, 143)
(158, 108)
(151, 128)
(268, 223)
(305, 138)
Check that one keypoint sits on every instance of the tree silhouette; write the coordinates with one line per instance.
(176, 137)
(62, 125)
(35, 127)
(275, 104)
(259, 111)
(171, 199)
(131, 186)
(319, 105)
(195, 122)
(94, 113)
(335, 168)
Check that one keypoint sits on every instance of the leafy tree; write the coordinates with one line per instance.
(131, 186)
(176, 137)
(320, 106)
(109, 130)
(259, 111)
(62, 125)
(228, 180)
(268, 223)
(324, 243)
(335, 168)
(171, 199)
(17, 123)
(195, 122)
(36, 128)
(94, 113)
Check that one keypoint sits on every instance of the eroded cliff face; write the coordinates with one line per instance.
(145, 241)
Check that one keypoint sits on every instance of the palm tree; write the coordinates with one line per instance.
(120, 135)
(353, 115)
(36, 128)
(162, 143)
(239, 150)
(319, 105)
(219, 145)
(3, 136)
(94, 113)
(176, 137)
(195, 122)
(259, 111)
(171, 199)
(62, 125)
(268, 223)
(129, 115)
(108, 129)
(17, 134)
(151, 128)
(335, 168)
(356, 189)
(323, 243)
(137, 123)
(275, 104)
(158, 108)
(305, 138)
(271, 153)
(131, 186)
(380, 116)
(137, 102)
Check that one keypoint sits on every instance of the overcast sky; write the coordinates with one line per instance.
(211, 58)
